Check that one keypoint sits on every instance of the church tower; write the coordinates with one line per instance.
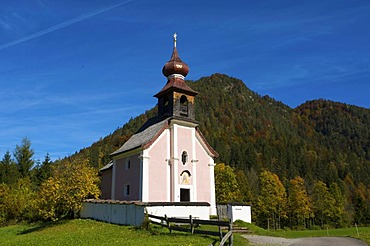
(176, 99)
(168, 159)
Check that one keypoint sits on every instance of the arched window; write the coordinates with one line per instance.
(184, 157)
(184, 105)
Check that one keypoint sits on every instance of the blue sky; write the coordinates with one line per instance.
(73, 71)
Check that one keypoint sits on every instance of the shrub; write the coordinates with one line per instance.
(62, 194)
(17, 202)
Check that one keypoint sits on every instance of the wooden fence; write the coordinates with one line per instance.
(175, 224)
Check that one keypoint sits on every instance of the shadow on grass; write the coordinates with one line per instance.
(41, 226)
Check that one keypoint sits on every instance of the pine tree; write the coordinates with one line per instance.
(23, 155)
(43, 170)
(9, 172)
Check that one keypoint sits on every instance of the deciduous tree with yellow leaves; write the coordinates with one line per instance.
(227, 189)
(271, 203)
(17, 201)
(62, 194)
(300, 208)
(323, 204)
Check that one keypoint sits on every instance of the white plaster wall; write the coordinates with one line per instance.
(122, 214)
(87, 210)
(239, 213)
(118, 214)
(102, 212)
(130, 214)
(199, 212)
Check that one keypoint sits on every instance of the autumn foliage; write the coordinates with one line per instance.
(62, 194)
(227, 189)
(272, 200)
(70, 182)
(319, 151)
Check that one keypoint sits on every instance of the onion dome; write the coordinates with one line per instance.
(175, 67)
(175, 70)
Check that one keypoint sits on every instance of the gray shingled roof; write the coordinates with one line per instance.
(109, 165)
(142, 137)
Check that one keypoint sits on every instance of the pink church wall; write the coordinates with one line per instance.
(130, 177)
(184, 136)
(158, 170)
(106, 184)
(202, 169)
(203, 174)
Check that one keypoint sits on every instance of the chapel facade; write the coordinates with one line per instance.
(167, 159)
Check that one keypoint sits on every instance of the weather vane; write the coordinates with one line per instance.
(174, 39)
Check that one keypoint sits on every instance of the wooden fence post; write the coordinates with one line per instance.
(222, 225)
(168, 223)
(230, 229)
(191, 224)
(219, 227)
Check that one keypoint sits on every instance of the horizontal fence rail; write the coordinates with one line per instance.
(177, 222)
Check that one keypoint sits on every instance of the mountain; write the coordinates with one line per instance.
(343, 132)
(319, 140)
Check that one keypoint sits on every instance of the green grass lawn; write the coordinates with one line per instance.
(89, 232)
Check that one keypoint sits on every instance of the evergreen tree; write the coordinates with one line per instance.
(9, 172)
(318, 140)
(23, 155)
(44, 170)
(2, 172)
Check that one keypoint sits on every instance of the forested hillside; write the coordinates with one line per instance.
(302, 167)
(318, 141)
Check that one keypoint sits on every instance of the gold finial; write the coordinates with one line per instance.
(174, 39)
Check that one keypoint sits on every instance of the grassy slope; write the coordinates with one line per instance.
(88, 232)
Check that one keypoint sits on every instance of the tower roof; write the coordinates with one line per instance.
(175, 70)
(175, 66)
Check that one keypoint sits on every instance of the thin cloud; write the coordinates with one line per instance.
(5, 25)
(61, 25)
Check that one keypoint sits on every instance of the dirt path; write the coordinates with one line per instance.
(311, 241)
